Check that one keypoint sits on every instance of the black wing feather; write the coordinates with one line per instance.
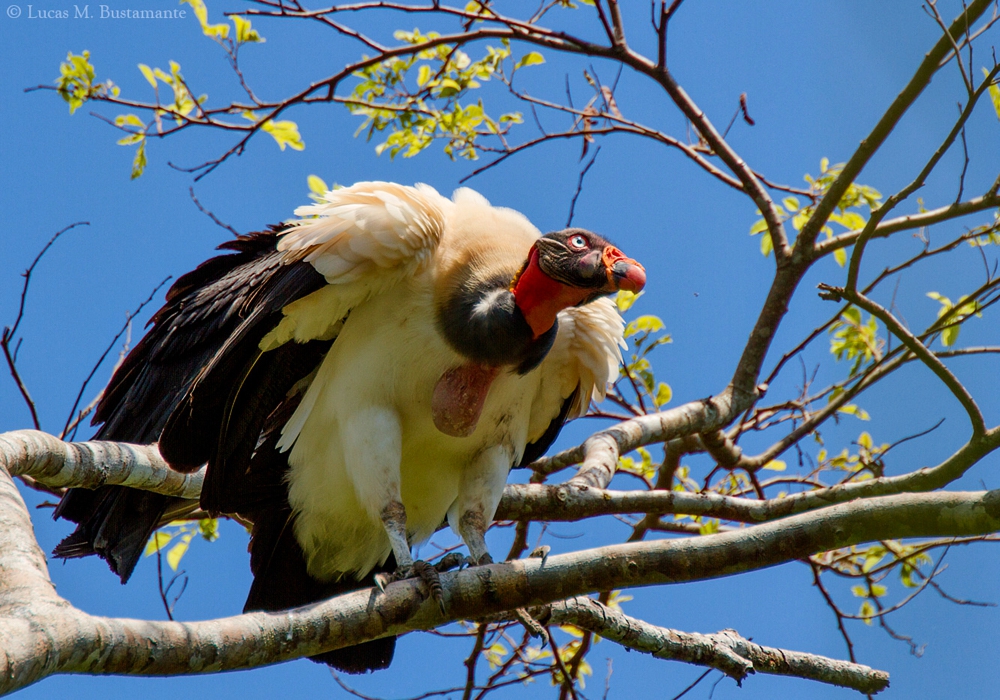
(539, 447)
(246, 471)
(199, 384)
(203, 310)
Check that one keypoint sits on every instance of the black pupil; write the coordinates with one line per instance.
(578, 241)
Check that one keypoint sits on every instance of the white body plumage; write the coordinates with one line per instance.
(363, 435)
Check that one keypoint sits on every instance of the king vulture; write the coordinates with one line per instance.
(355, 378)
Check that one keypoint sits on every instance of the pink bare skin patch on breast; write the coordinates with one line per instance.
(459, 396)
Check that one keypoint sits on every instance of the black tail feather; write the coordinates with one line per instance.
(114, 522)
(280, 581)
(280, 577)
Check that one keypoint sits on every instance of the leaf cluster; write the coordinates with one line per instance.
(181, 534)
(848, 213)
(422, 97)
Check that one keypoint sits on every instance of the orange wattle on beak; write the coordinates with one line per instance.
(623, 273)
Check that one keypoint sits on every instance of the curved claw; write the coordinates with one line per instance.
(382, 580)
(422, 570)
(469, 561)
(429, 575)
(449, 561)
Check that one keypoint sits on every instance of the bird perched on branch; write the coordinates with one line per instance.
(355, 378)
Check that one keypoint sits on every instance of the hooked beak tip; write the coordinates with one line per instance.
(624, 273)
(629, 275)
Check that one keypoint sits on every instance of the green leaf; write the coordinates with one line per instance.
(209, 529)
(75, 83)
(139, 162)
(158, 541)
(130, 139)
(873, 556)
(867, 611)
(949, 335)
(663, 394)
(147, 73)
(853, 410)
(648, 323)
(285, 133)
(775, 465)
(128, 120)
(495, 654)
(448, 87)
(244, 32)
(532, 58)
(424, 74)
(177, 552)
(766, 246)
(994, 94)
(625, 299)
(840, 255)
(709, 527)
(216, 31)
(316, 184)
(616, 599)
(791, 203)
(851, 220)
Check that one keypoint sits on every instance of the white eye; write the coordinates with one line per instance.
(578, 241)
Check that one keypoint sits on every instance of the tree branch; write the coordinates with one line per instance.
(91, 464)
(72, 642)
(911, 221)
(871, 143)
(53, 462)
(914, 345)
(726, 651)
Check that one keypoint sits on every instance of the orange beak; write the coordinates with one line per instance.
(623, 273)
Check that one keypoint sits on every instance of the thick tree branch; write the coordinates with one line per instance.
(55, 463)
(92, 464)
(71, 641)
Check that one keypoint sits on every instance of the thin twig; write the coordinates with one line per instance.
(209, 213)
(125, 327)
(10, 332)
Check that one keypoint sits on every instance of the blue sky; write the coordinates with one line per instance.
(817, 75)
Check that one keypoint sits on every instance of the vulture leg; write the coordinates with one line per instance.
(373, 451)
(479, 494)
(472, 527)
(394, 520)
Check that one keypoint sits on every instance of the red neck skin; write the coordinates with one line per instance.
(540, 298)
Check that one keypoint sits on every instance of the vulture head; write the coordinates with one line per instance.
(569, 268)
(496, 321)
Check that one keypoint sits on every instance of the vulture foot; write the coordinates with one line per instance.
(471, 561)
(452, 560)
(428, 573)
